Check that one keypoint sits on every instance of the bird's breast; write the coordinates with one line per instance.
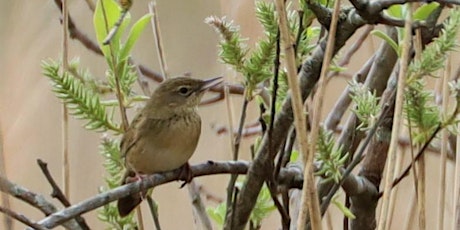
(165, 144)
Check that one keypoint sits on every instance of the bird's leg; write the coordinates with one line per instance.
(185, 174)
(137, 177)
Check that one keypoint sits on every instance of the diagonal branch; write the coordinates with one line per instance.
(32, 199)
(290, 177)
(308, 76)
(21, 218)
(57, 192)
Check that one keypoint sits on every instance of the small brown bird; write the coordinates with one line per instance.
(165, 133)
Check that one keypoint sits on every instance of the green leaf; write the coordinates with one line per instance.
(106, 14)
(343, 209)
(134, 34)
(82, 102)
(386, 38)
(218, 213)
(395, 11)
(425, 10)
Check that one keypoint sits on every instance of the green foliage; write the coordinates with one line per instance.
(423, 115)
(434, 55)
(257, 66)
(400, 12)
(114, 166)
(106, 14)
(346, 211)
(121, 77)
(330, 157)
(264, 206)
(81, 101)
(81, 92)
(367, 105)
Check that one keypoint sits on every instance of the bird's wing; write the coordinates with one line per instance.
(131, 136)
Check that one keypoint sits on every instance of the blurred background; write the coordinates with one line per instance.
(30, 115)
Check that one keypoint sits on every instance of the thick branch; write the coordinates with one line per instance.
(308, 75)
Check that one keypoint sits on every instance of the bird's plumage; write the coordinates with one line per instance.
(165, 133)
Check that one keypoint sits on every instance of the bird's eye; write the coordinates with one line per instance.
(184, 91)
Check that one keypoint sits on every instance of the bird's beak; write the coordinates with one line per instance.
(208, 83)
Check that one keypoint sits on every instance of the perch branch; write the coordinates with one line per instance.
(290, 177)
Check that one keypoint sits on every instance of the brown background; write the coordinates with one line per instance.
(30, 115)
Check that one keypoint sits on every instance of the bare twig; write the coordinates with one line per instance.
(352, 50)
(119, 93)
(5, 199)
(21, 218)
(309, 196)
(33, 199)
(199, 209)
(58, 194)
(444, 143)
(342, 104)
(75, 33)
(236, 148)
(158, 40)
(456, 206)
(396, 122)
(154, 211)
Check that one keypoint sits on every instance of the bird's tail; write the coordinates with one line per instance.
(126, 204)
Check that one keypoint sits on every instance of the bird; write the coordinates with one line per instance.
(164, 134)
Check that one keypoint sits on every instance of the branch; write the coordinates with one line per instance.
(291, 177)
(57, 192)
(21, 218)
(33, 199)
(308, 76)
(75, 33)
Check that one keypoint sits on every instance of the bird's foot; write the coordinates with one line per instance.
(135, 178)
(185, 174)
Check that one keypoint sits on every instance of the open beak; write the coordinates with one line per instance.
(209, 83)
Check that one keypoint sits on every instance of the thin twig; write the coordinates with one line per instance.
(154, 211)
(5, 199)
(392, 205)
(456, 206)
(119, 93)
(421, 179)
(352, 50)
(444, 143)
(309, 196)
(396, 122)
(199, 209)
(285, 219)
(233, 177)
(65, 114)
(75, 33)
(33, 199)
(58, 194)
(314, 209)
(158, 40)
(125, 6)
(21, 218)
